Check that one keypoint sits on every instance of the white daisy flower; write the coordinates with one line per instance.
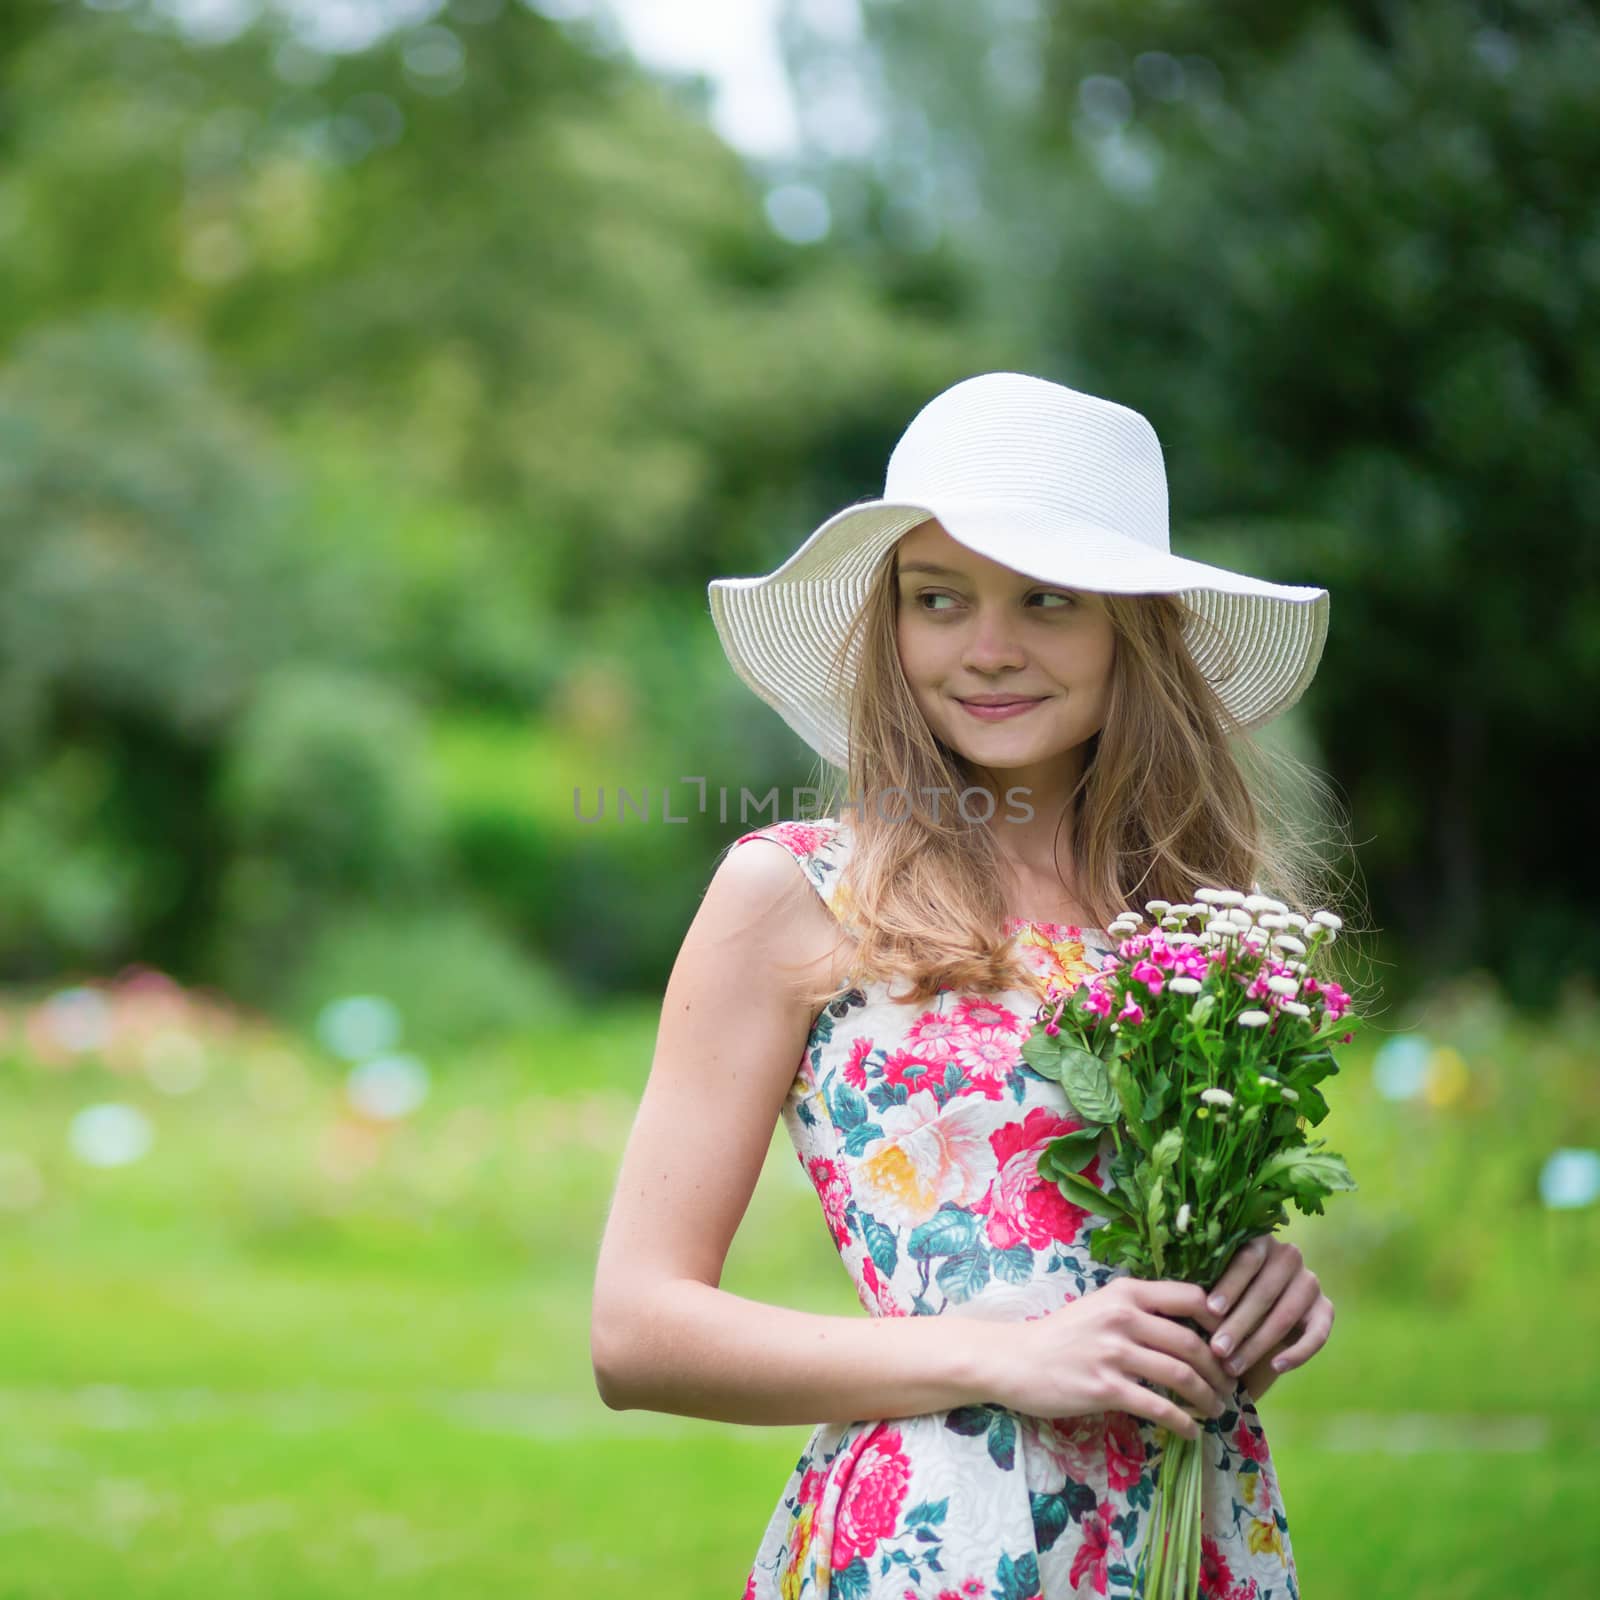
(1288, 1093)
(1271, 919)
(1182, 1221)
(1216, 1097)
(1156, 907)
(1220, 926)
(1295, 1008)
(1239, 917)
(1258, 902)
(1294, 920)
(1253, 1019)
(1182, 985)
(1284, 986)
(1208, 896)
(1228, 897)
(1266, 1077)
(1287, 941)
(1327, 919)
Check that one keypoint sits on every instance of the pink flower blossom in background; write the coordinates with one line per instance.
(1131, 1011)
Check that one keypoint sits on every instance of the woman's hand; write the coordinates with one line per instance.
(1274, 1314)
(1091, 1355)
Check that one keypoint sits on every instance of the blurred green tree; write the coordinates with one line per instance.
(1343, 257)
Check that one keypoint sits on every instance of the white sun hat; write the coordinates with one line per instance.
(1056, 484)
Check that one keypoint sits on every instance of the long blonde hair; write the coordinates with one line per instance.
(1173, 795)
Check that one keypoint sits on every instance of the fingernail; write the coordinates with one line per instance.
(1235, 1366)
(1223, 1344)
(1218, 1302)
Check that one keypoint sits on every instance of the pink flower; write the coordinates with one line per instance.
(1250, 1442)
(1216, 1577)
(834, 1191)
(1098, 1547)
(1124, 1450)
(855, 1071)
(874, 1488)
(1150, 975)
(1098, 1000)
(1130, 1011)
(980, 1011)
(912, 1070)
(1022, 1207)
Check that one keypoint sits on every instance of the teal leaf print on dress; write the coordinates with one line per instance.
(853, 1581)
(1003, 1441)
(1019, 1579)
(964, 1275)
(947, 1232)
(1014, 1265)
(881, 1244)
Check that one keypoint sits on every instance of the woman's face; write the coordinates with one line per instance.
(971, 629)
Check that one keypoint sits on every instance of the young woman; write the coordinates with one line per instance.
(1033, 702)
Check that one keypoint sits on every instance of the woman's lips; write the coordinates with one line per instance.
(998, 713)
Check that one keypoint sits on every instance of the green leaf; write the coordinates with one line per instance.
(1307, 1167)
(1042, 1052)
(1164, 1156)
(1130, 1097)
(1088, 1085)
(1083, 1193)
(1156, 1229)
(1072, 1152)
(1202, 1009)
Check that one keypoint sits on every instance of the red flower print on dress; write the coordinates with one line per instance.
(1099, 1548)
(750, 1587)
(1250, 1443)
(982, 1011)
(913, 1071)
(877, 1476)
(1124, 1450)
(834, 1191)
(1021, 1206)
(988, 1055)
(1216, 1577)
(855, 1071)
(804, 838)
(935, 1037)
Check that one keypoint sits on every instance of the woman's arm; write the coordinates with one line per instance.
(664, 1336)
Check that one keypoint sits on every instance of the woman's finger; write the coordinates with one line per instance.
(1293, 1305)
(1318, 1323)
(1260, 1295)
(1247, 1261)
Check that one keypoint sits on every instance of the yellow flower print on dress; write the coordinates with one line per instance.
(1263, 1537)
(1052, 953)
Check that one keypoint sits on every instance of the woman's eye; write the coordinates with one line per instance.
(1059, 601)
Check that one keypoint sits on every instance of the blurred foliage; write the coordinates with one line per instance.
(1338, 256)
(346, 398)
(371, 420)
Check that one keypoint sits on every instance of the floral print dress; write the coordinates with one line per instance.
(920, 1128)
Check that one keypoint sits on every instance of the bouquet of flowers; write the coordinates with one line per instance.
(1201, 1051)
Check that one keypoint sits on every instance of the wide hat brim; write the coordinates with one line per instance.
(1258, 643)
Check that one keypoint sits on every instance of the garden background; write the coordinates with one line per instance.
(381, 381)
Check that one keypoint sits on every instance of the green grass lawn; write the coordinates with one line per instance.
(285, 1354)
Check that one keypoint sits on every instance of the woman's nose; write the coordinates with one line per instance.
(992, 643)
